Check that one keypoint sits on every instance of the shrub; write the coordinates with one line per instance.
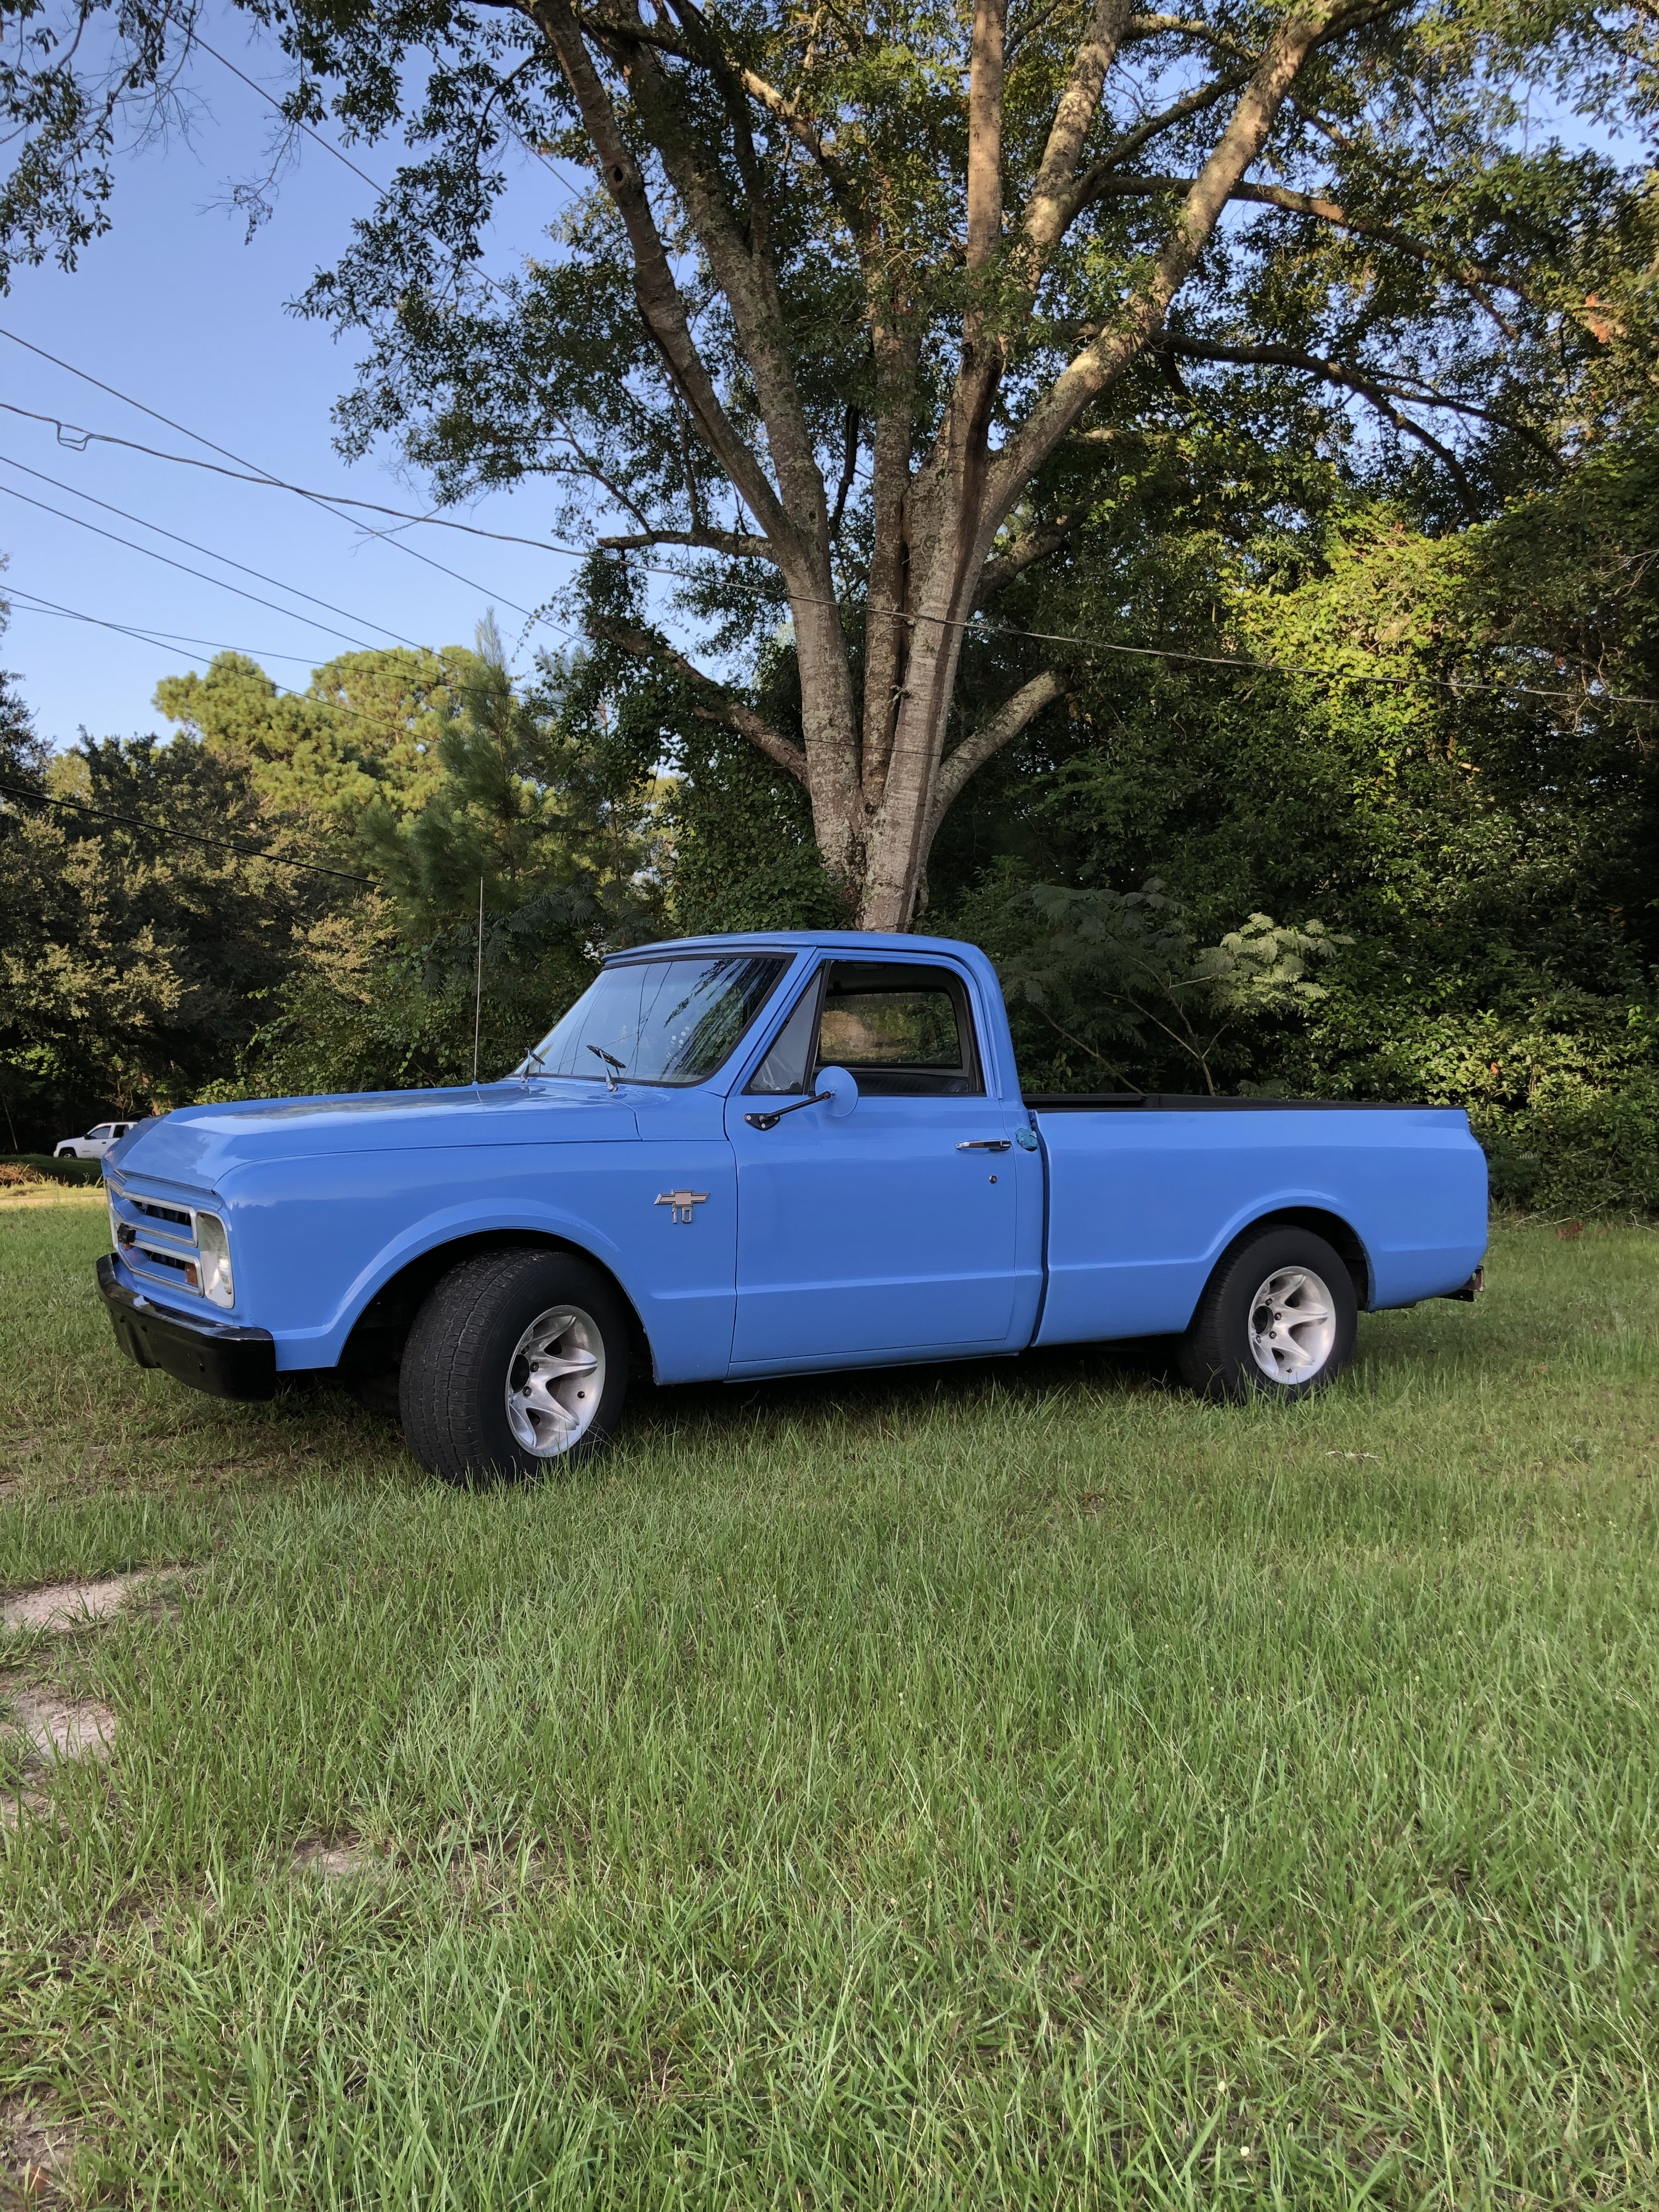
(42, 1167)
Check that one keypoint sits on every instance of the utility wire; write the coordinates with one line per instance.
(31, 603)
(275, 581)
(678, 575)
(164, 643)
(291, 122)
(11, 492)
(1456, 684)
(328, 145)
(76, 441)
(1042, 637)
(317, 499)
(186, 837)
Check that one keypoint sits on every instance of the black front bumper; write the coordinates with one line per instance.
(214, 1356)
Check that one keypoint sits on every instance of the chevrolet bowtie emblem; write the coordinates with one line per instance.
(682, 1201)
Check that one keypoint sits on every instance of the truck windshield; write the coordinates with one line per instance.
(658, 1021)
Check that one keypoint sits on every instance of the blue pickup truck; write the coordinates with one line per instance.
(748, 1155)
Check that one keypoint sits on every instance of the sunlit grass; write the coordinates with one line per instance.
(1005, 1784)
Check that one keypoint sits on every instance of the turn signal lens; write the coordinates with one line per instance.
(214, 1246)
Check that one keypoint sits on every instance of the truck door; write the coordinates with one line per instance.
(890, 1231)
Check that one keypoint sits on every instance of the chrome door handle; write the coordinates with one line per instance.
(986, 1145)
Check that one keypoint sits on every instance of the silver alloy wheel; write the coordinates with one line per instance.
(555, 1380)
(1293, 1324)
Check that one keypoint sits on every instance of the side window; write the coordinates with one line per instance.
(904, 1032)
(102, 1130)
(784, 1068)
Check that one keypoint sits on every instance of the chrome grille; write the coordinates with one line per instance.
(155, 1239)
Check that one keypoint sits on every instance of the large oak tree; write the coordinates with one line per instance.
(856, 283)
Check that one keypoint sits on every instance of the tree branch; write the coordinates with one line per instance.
(739, 544)
(1341, 373)
(1099, 364)
(1004, 726)
(1048, 207)
(1474, 279)
(849, 463)
(808, 135)
(748, 278)
(1035, 545)
(1125, 148)
(985, 77)
(718, 704)
(661, 306)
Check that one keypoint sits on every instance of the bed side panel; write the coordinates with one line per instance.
(1141, 1204)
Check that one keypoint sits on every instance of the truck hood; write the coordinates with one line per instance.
(200, 1145)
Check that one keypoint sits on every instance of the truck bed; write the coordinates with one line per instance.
(1146, 1191)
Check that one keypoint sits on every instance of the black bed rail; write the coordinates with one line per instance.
(1181, 1102)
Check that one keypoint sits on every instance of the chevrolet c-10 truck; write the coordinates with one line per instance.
(738, 1156)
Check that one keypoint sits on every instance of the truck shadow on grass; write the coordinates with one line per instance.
(1144, 1366)
(886, 1401)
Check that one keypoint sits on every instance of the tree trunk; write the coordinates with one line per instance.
(880, 782)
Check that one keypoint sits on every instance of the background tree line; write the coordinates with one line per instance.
(1171, 497)
(1452, 888)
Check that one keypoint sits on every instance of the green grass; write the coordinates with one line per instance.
(1009, 1785)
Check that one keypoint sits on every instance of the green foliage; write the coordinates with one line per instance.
(739, 851)
(132, 961)
(515, 807)
(364, 732)
(54, 1169)
(1124, 988)
(361, 1011)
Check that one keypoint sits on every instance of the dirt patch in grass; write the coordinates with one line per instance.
(56, 1731)
(56, 1607)
(36, 2152)
(336, 1858)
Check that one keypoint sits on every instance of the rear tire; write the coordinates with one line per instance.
(1277, 1319)
(517, 1362)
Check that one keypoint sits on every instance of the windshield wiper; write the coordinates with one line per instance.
(611, 1063)
(532, 1064)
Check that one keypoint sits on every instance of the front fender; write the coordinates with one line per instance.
(314, 1241)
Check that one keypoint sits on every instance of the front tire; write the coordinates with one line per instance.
(517, 1360)
(1277, 1319)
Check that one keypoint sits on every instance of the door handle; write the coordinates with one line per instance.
(986, 1145)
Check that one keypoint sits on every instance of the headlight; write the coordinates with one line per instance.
(214, 1246)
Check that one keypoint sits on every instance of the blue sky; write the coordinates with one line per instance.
(174, 308)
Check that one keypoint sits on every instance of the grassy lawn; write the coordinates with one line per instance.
(1007, 1785)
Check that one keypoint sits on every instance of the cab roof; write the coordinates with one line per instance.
(865, 941)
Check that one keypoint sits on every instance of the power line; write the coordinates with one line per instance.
(274, 483)
(162, 642)
(1455, 684)
(1145, 651)
(186, 837)
(328, 145)
(277, 582)
(184, 567)
(31, 603)
(291, 122)
(317, 499)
